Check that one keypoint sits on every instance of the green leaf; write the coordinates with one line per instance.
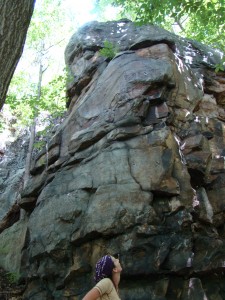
(200, 20)
(109, 50)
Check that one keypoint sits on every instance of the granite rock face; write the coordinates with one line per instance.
(137, 168)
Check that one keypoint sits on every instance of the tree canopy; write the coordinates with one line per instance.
(32, 91)
(201, 20)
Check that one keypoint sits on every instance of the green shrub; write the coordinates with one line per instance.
(12, 277)
(109, 50)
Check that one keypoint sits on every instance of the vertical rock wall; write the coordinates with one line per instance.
(137, 168)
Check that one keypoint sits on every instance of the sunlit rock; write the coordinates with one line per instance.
(136, 168)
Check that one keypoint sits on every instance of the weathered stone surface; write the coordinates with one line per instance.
(45, 160)
(28, 203)
(11, 217)
(194, 290)
(193, 143)
(12, 243)
(136, 168)
(33, 187)
(10, 191)
(206, 210)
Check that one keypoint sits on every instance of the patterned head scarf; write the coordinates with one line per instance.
(103, 268)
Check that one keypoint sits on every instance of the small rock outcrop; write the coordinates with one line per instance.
(136, 168)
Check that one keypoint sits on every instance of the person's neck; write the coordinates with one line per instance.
(116, 280)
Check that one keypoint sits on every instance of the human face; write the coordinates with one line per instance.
(117, 264)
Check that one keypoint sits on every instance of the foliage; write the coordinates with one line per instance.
(39, 145)
(29, 94)
(23, 103)
(109, 50)
(12, 277)
(105, 11)
(53, 96)
(201, 20)
(51, 122)
(47, 20)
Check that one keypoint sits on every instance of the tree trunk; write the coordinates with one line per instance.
(15, 16)
(33, 128)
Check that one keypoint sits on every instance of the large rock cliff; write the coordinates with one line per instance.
(136, 168)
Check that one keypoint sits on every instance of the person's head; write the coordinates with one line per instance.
(106, 267)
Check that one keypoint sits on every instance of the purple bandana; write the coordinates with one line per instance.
(103, 268)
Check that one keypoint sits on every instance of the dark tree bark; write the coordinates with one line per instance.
(15, 16)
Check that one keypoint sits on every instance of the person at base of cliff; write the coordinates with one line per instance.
(107, 278)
